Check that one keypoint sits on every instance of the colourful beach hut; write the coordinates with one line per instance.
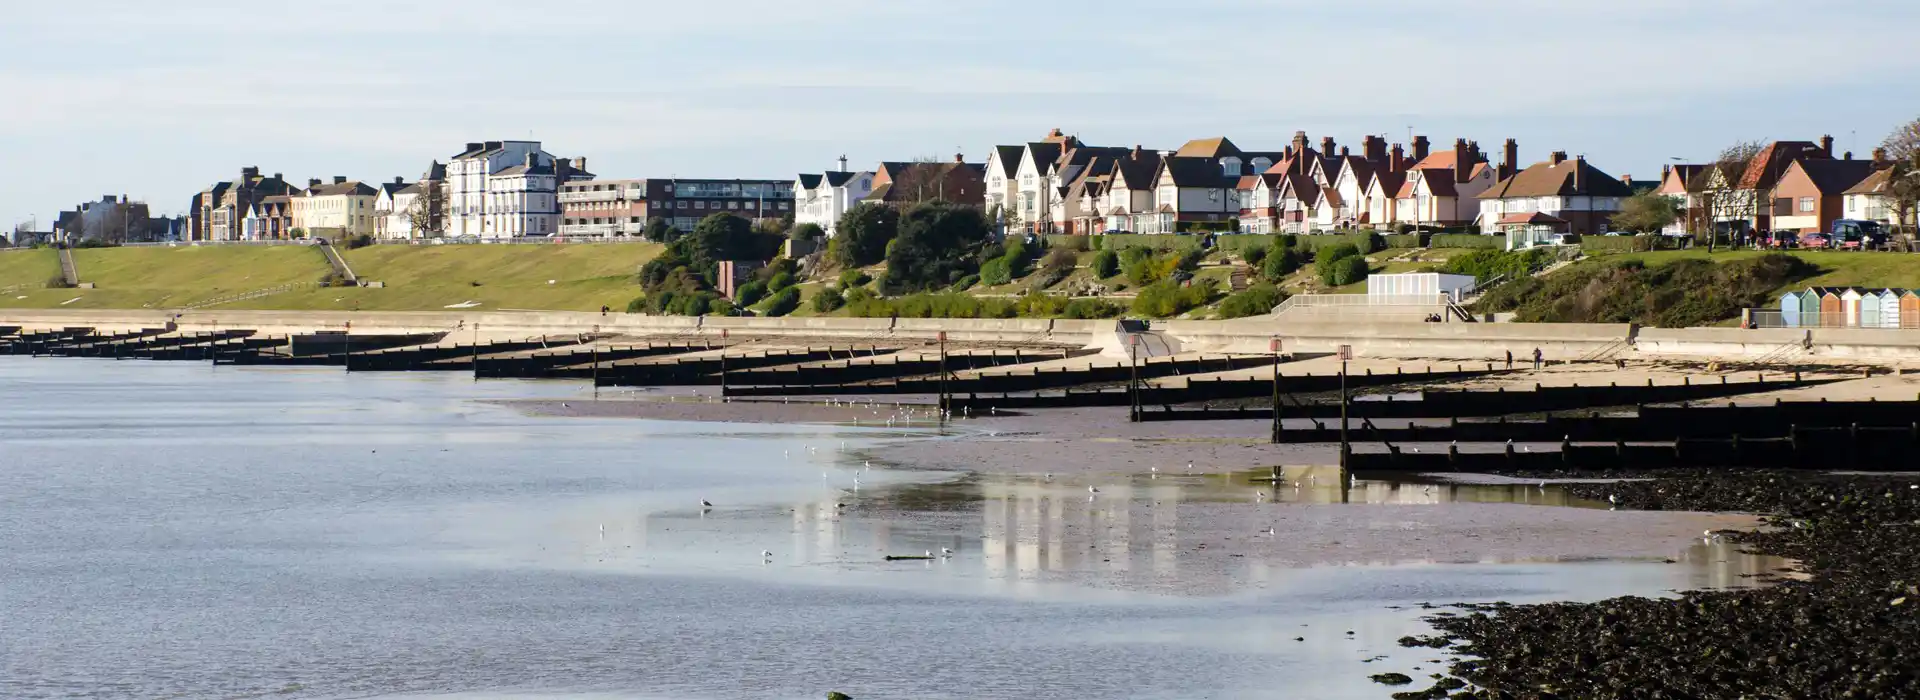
(1832, 310)
(1790, 309)
(1890, 307)
(1869, 316)
(1810, 307)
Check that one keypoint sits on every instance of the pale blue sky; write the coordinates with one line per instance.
(160, 98)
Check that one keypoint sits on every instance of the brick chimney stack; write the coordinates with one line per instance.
(1579, 176)
(1326, 145)
(1462, 161)
(1557, 158)
(1879, 156)
(1421, 148)
(1375, 149)
(1626, 179)
(313, 182)
(339, 179)
(1826, 145)
(1346, 151)
(1664, 171)
(1398, 163)
(959, 157)
(1509, 159)
(1300, 142)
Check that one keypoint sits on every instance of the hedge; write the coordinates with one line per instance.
(1317, 241)
(1616, 244)
(1408, 240)
(1069, 241)
(1467, 240)
(1121, 241)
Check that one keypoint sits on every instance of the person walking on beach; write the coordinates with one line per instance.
(1509, 359)
(1538, 359)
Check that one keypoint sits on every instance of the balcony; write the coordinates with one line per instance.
(601, 230)
(601, 196)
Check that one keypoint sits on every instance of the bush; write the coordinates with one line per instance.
(828, 300)
(1407, 240)
(1037, 305)
(1348, 270)
(1255, 255)
(360, 241)
(1466, 240)
(965, 283)
(335, 279)
(750, 293)
(996, 272)
(1325, 259)
(857, 295)
(1679, 294)
(938, 245)
(779, 281)
(60, 282)
(784, 302)
(1277, 266)
(1253, 301)
(638, 305)
(1488, 264)
(1090, 308)
(1617, 244)
(854, 278)
(1164, 299)
(1106, 264)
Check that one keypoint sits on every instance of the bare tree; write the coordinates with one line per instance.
(426, 214)
(924, 179)
(1718, 190)
(1903, 183)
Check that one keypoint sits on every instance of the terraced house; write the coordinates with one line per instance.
(507, 189)
(218, 213)
(334, 210)
(1554, 196)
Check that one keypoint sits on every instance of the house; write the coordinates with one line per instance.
(1744, 206)
(1033, 183)
(902, 185)
(218, 212)
(1189, 193)
(270, 219)
(1811, 194)
(109, 220)
(390, 205)
(821, 199)
(400, 206)
(1871, 198)
(1129, 189)
(1554, 196)
(1441, 188)
(502, 189)
(334, 210)
(1002, 186)
(1683, 183)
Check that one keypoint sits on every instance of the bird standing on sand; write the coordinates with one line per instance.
(1613, 499)
(704, 503)
(765, 555)
(1091, 489)
(946, 552)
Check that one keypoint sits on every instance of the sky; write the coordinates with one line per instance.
(159, 99)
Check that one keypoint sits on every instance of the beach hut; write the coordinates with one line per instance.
(1890, 307)
(1910, 309)
(1850, 307)
(1831, 308)
(1790, 310)
(1810, 308)
(1869, 316)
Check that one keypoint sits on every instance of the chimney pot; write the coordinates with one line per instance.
(1345, 151)
(1398, 161)
(399, 180)
(1326, 145)
(959, 157)
(1557, 157)
(1880, 155)
(1462, 161)
(1849, 155)
(580, 163)
(278, 176)
(1509, 159)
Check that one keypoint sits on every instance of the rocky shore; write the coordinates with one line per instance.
(1847, 630)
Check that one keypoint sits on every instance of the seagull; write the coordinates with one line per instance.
(1048, 476)
(929, 554)
(704, 503)
(1613, 499)
(766, 554)
(1091, 489)
(946, 552)
(1189, 467)
(1269, 529)
(1543, 486)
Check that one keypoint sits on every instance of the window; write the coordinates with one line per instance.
(700, 205)
(633, 219)
(1806, 204)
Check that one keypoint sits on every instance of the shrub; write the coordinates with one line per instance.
(1090, 308)
(828, 300)
(1253, 301)
(1348, 270)
(854, 278)
(1163, 299)
(965, 283)
(1277, 266)
(1679, 294)
(1488, 264)
(638, 305)
(779, 281)
(750, 293)
(1325, 259)
(858, 294)
(1106, 264)
(360, 241)
(1255, 255)
(1037, 305)
(60, 282)
(1466, 240)
(335, 279)
(784, 302)
(996, 272)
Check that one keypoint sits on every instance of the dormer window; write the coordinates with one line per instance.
(1230, 166)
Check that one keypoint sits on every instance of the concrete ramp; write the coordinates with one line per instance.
(338, 263)
(68, 271)
(1130, 339)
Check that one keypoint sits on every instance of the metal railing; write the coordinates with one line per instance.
(1354, 301)
(1775, 318)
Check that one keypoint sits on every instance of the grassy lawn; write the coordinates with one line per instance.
(1837, 268)
(27, 269)
(156, 277)
(417, 278)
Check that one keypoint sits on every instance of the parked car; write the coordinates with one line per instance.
(1781, 240)
(1815, 241)
(1856, 234)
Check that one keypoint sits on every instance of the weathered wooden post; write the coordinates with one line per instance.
(1273, 346)
(1346, 448)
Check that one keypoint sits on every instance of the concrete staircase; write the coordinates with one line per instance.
(339, 264)
(68, 271)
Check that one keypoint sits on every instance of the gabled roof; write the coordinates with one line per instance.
(836, 178)
(1248, 182)
(1876, 183)
(1300, 186)
(1772, 161)
(1009, 159)
(1833, 177)
(808, 181)
(1439, 183)
(1216, 147)
(1137, 169)
(1193, 172)
(1389, 181)
(522, 169)
(1685, 175)
(1547, 179)
(1045, 155)
(352, 187)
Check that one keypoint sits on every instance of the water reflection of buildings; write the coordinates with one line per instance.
(1032, 527)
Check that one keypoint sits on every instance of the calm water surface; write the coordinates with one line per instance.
(169, 530)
